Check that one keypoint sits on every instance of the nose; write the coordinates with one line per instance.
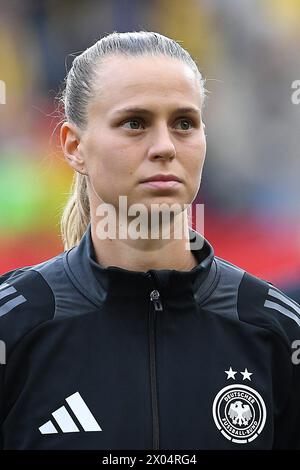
(162, 146)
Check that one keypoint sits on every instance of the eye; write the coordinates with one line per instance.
(132, 124)
(185, 124)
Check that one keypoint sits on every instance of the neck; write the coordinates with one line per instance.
(143, 254)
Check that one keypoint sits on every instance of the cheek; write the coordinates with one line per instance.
(201, 150)
(119, 158)
(108, 157)
(196, 157)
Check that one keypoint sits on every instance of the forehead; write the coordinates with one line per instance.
(159, 80)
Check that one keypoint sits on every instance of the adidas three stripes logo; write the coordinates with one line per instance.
(283, 304)
(64, 420)
(5, 291)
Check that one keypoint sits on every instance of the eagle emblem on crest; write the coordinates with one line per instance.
(239, 413)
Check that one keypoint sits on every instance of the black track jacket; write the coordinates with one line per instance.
(107, 358)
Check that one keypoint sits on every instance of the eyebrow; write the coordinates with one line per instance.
(135, 109)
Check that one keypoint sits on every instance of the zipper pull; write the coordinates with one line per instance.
(155, 298)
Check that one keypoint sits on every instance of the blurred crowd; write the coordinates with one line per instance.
(247, 50)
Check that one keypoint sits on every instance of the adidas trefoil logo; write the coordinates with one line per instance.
(65, 421)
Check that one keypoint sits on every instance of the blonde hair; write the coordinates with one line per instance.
(76, 214)
(78, 92)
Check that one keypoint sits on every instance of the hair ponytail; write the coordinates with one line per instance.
(76, 214)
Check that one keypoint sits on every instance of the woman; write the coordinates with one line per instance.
(128, 342)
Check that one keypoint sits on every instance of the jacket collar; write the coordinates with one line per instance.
(101, 283)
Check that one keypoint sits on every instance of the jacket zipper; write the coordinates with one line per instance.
(155, 300)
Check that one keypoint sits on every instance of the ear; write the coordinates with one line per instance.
(70, 140)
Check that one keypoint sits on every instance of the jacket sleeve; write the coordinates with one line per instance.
(1, 401)
(287, 425)
(287, 435)
(26, 301)
(262, 304)
(287, 312)
(6, 291)
(3, 286)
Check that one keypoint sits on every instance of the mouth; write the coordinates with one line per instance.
(162, 181)
(161, 184)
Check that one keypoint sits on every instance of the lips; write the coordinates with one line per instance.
(162, 184)
(162, 178)
(162, 181)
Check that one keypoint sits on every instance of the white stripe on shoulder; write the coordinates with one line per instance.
(11, 304)
(7, 291)
(4, 285)
(283, 310)
(278, 295)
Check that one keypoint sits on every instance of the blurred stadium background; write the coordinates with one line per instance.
(248, 50)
